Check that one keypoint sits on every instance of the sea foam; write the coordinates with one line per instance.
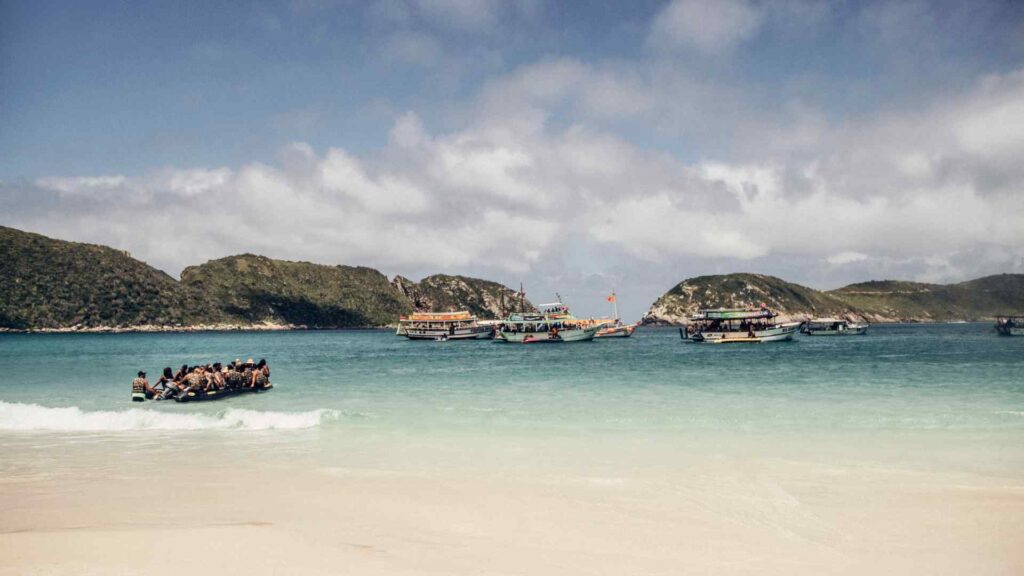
(16, 416)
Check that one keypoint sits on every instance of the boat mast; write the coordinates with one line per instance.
(615, 304)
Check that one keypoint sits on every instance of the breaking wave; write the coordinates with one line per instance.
(29, 417)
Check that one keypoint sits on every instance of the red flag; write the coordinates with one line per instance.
(611, 298)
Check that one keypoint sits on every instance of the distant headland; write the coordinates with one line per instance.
(60, 286)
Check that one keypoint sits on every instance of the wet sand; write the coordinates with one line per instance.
(716, 516)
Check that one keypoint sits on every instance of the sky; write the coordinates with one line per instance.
(576, 147)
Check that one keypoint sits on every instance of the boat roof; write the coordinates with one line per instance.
(461, 315)
(733, 313)
(826, 320)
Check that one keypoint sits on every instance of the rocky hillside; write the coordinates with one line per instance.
(791, 301)
(256, 289)
(895, 301)
(876, 301)
(52, 284)
(47, 283)
(441, 293)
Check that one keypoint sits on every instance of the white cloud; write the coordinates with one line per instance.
(927, 193)
(847, 257)
(710, 27)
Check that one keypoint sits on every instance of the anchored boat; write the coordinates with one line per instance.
(551, 324)
(613, 327)
(459, 325)
(833, 327)
(1010, 325)
(735, 325)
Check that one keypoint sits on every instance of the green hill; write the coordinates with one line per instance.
(52, 284)
(875, 301)
(47, 283)
(256, 289)
(742, 291)
(442, 292)
(979, 299)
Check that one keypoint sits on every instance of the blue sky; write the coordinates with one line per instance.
(573, 146)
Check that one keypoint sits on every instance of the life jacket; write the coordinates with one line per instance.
(139, 386)
(261, 379)
(233, 379)
(195, 380)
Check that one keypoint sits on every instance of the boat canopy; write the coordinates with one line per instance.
(460, 316)
(826, 320)
(733, 314)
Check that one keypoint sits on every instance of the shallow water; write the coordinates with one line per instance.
(946, 396)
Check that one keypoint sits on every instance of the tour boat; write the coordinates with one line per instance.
(459, 325)
(833, 327)
(552, 323)
(613, 327)
(735, 325)
(1010, 325)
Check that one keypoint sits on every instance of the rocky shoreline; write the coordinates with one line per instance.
(146, 328)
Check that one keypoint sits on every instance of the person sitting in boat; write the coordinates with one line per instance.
(179, 377)
(167, 385)
(215, 376)
(249, 374)
(261, 375)
(141, 390)
(194, 382)
(234, 378)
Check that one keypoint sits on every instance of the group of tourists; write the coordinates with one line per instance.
(202, 378)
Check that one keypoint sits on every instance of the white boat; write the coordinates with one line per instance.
(1010, 325)
(443, 326)
(737, 325)
(553, 323)
(613, 327)
(833, 327)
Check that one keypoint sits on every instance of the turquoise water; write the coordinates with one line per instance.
(949, 394)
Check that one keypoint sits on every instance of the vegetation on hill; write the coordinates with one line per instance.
(256, 289)
(742, 291)
(875, 301)
(441, 292)
(979, 299)
(47, 283)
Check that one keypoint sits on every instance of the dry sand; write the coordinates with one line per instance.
(724, 516)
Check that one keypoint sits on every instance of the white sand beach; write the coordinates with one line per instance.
(718, 516)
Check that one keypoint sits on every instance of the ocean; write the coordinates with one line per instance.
(741, 431)
(941, 381)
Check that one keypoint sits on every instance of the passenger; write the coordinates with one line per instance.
(182, 373)
(234, 377)
(141, 390)
(165, 379)
(265, 368)
(248, 374)
(260, 380)
(194, 381)
(217, 377)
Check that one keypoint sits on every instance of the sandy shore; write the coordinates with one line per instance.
(725, 516)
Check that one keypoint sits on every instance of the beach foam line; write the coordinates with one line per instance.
(29, 417)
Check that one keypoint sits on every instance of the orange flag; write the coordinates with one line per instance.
(611, 298)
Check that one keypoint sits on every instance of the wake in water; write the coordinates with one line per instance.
(15, 416)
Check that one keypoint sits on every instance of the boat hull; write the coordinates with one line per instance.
(624, 331)
(581, 335)
(1010, 330)
(777, 333)
(853, 330)
(475, 333)
(220, 394)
